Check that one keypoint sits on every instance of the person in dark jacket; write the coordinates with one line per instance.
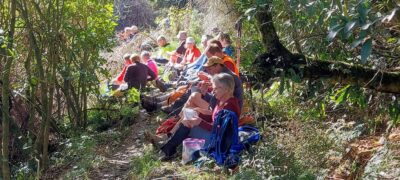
(137, 74)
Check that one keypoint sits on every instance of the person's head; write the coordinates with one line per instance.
(190, 43)
(225, 39)
(214, 50)
(182, 35)
(223, 86)
(145, 55)
(214, 65)
(135, 58)
(215, 41)
(215, 31)
(161, 41)
(134, 29)
(127, 58)
(204, 40)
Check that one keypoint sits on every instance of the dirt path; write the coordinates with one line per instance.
(117, 160)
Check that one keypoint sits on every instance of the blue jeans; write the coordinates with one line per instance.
(200, 133)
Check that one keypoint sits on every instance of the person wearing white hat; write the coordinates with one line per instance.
(192, 52)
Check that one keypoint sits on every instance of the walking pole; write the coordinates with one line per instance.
(238, 27)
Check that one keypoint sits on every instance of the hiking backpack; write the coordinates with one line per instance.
(224, 145)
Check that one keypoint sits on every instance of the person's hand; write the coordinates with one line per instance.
(203, 86)
(195, 122)
(190, 123)
(187, 123)
(203, 76)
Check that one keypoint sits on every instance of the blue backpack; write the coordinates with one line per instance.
(224, 145)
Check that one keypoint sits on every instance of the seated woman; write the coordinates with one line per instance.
(145, 56)
(223, 87)
(192, 52)
(138, 74)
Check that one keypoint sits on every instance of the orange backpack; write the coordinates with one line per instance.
(177, 94)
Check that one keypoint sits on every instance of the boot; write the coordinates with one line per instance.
(169, 148)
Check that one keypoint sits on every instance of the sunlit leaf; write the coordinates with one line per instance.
(333, 32)
(389, 17)
(350, 25)
(250, 10)
(366, 26)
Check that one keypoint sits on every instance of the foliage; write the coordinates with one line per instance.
(358, 24)
(394, 112)
(78, 149)
(303, 26)
(133, 96)
(351, 94)
(175, 19)
(143, 166)
(133, 12)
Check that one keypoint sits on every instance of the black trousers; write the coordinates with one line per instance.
(169, 148)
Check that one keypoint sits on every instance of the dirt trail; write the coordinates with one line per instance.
(117, 161)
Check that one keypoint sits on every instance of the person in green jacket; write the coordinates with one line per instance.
(165, 50)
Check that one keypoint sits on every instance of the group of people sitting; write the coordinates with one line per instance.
(209, 82)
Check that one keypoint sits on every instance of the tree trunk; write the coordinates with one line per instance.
(6, 92)
(45, 114)
(278, 60)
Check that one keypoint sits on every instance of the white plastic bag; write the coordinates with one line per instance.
(189, 114)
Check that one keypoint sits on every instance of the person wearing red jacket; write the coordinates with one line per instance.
(192, 52)
(120, 78)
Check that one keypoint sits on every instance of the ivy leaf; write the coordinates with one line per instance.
(366, 51)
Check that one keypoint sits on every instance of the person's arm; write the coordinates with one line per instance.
(196, 55)
(203, 111)
(121, 75)
(184, 58)
(151, 74)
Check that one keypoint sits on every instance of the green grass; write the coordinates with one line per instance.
(141, 167)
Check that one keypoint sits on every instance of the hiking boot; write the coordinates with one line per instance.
(167, 109)
(153, 139)
(150, 106)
